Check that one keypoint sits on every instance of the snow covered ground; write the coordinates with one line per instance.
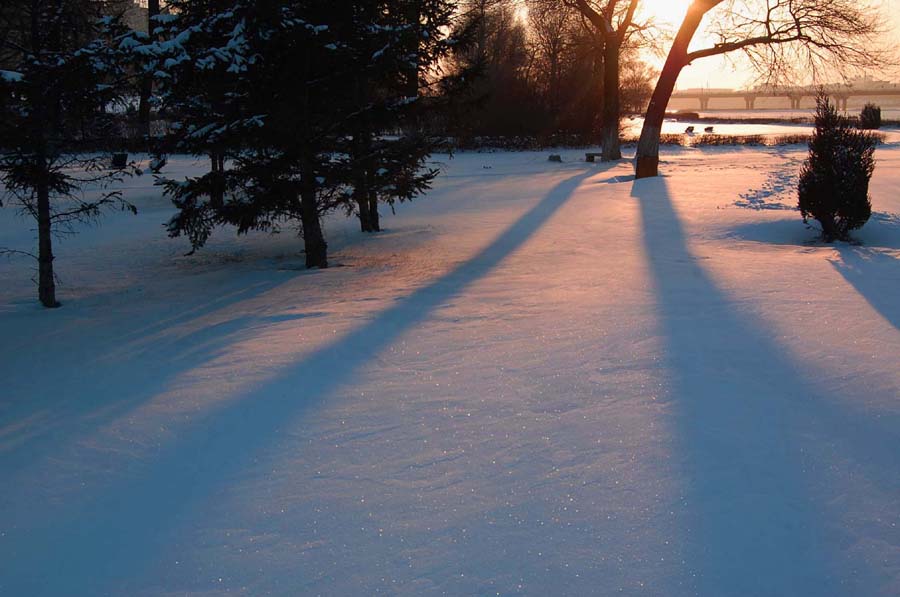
(542, 379)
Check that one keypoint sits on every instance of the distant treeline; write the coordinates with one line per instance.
(539, 74)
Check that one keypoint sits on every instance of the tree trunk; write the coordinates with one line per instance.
(595, 95)
(313, 237)
(413, 19)
(367, 203)
(144, 107)
(362, 155)
(609, 128)
(647, 158)
(46, 281)
(361, 182)
(830, 230)
(365, 220)
(374, 218)
(147, 82)
(370, 196)
(217, 188)
(362, 150)
(45, 104)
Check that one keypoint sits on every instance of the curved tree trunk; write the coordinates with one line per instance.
(610, 121)
(647, 158)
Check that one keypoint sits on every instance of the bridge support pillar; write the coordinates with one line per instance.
(704, 103)
(750, 102)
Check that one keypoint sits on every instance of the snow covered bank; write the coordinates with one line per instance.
(542, 379)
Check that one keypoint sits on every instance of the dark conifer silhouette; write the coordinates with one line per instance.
(834, 182)
(62, 85)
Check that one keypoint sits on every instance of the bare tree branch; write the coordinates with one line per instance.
(11, 252)
(780, 38)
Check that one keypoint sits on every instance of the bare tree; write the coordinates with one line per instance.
(636, 81)
(612, 22)
(502, 60)
(552, 37)
(779, 37)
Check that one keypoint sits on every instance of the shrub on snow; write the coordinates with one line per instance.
(870, 117)
(834, 181)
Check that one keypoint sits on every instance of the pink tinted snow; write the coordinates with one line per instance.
(541, 379)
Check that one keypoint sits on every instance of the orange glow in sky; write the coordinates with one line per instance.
(720, 71)
(669, 12)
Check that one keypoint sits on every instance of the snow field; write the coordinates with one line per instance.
(542, 379)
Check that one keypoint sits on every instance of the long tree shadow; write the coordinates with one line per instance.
(742, 410)
(96, 546)
(870, 266)
(69, 401)
(873, 273)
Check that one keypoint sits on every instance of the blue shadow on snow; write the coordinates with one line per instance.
(742, 411)
(119, 534)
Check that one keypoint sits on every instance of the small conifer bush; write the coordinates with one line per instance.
(834, 181)
(870, 118)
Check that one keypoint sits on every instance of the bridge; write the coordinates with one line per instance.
(841, 94)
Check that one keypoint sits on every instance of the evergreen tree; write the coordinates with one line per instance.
(870, 117)
(198, 66)
(63, 64)
(242, 79)
(146, 91)
(296, 99)
(834, 182)
(392, 49)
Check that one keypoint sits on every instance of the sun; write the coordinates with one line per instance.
(666, 12)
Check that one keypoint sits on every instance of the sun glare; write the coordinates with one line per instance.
(669, 12)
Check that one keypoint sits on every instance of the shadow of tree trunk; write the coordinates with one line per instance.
(750, 425)
(143, 509)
